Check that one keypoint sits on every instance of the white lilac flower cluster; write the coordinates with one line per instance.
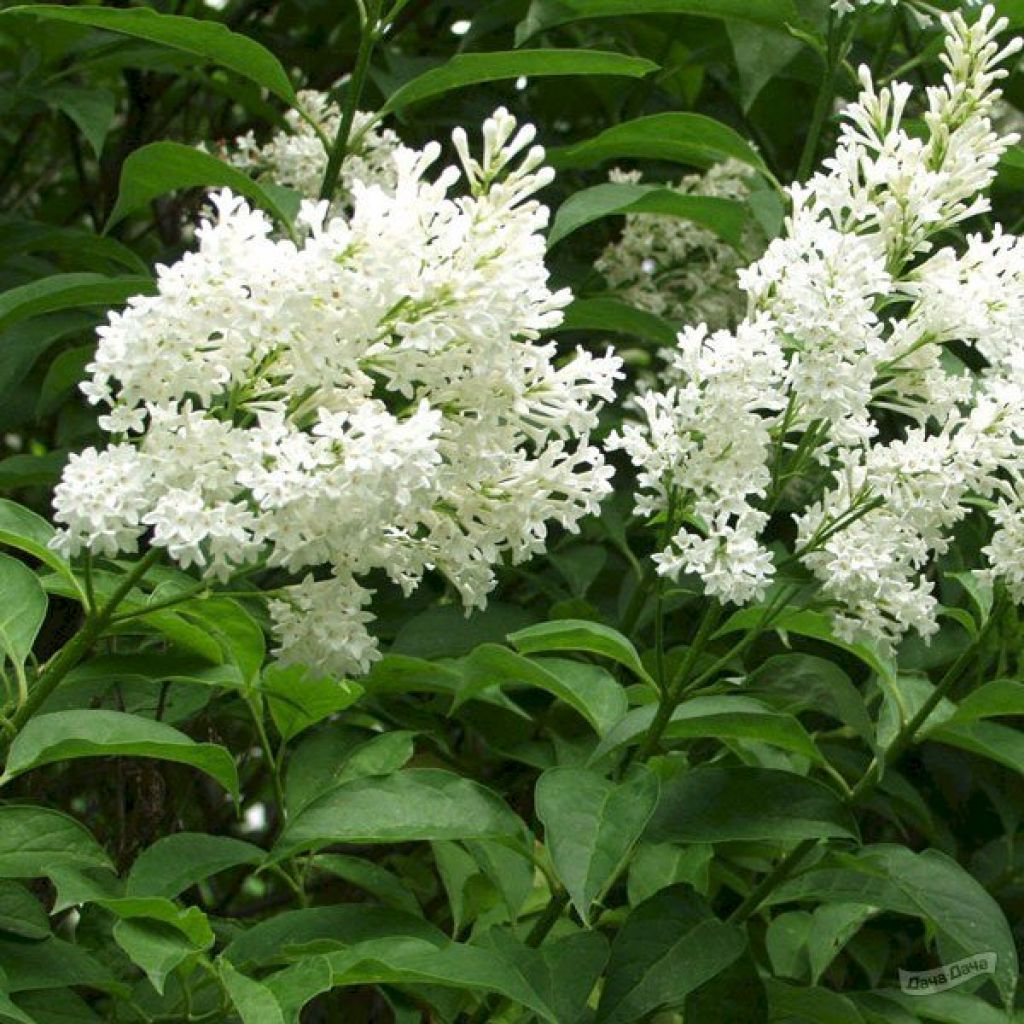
(374, 398)
(848, 6)
(842, 375)
(676, 268)
(296, 157)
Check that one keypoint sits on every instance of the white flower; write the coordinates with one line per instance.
(838, 393)
(374, 398)
(297, 157)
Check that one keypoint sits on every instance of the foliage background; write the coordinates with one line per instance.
(171, 911)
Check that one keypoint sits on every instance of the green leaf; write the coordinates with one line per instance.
(415, 804)
(23, 345)
(669, 946)
(547, 14)
(965, 917)
(580, 635)
(62, 377)
(209, 40)
(656, 866)
(447, 632)
(721, 803)
(57, 1007)
(84, 248)
(33, 840)
(990, 700)
(156, 948)
(21, 913)
(175, 862)
(562, 971)
(760, 55)
(11, 1011)
(605, 313)
(371, 878)
(730, 716)
(474, 68)
(810, 624)
(725, 217)
(802, 1004)
(92, 110)
(1000, 743)
(297, 699)
(591, 826)
(51, 964)
(254, 1002)
(22, 609)
(64, 735)
(18, 471)
(685, 138)
(163, 167)
(805, 682)
(589, 689)
(276, 939)
(68, 291)
(405, 961)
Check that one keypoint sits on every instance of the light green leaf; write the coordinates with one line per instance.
(175, 862)
(22, 609)
(580, 635)
(590, 689)
(415, 804)
(547, 14)
(68, 291)
(725, 217)
(669, 946)
(64, 735)
(591, 825)
(722, 803)
(163, 167)
(474, 68)
(34, 840)
(691, 139)
(209, 40)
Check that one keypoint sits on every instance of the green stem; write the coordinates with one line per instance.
(371, 30)
(76, 648)
(838, 43)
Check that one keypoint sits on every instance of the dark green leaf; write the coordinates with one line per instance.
(721, 803)
(685, 138)
(605, 313)
(21, 913)
(725, 217)
(35, 839)
(22, 609)
(209, 40)
(473, 68)
(177, 861)
(68, 291)
(669, 946)
(546, 14)
(163, 167)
